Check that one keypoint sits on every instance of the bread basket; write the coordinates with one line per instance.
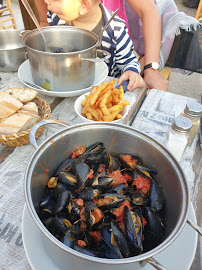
(22, 138)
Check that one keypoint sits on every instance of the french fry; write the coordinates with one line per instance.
(104, 103)
(94, 114)
(125, 102)
(108, 118)
(121, 95)
(95, 93)
(83, 102)
(119, 116)
(104, 98)
(89, 116)
(115, 108)
(105, 111)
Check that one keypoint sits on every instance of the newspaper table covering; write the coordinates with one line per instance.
(155, 121)
(12, 172)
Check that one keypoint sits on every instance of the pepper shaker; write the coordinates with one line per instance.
(193, 111)
(178, 136)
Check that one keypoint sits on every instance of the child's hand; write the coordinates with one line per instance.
(135, 80)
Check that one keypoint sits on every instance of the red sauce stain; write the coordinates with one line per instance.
(46, 170)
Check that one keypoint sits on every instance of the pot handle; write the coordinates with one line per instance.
(154, 263)
(195, 226)
(34, 129)
(23, 33)
(107, 55)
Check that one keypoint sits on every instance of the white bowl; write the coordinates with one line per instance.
(78, 109)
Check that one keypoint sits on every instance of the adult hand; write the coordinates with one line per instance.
(154, 79)
(135, 80)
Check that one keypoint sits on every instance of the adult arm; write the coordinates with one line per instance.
(151, 28)
(42, 10)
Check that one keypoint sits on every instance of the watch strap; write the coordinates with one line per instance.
(148, 66)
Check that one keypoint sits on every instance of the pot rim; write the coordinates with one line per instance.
(11, 49)
(27, 33)
(168, 241)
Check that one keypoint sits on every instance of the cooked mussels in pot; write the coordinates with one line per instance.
(103, 204)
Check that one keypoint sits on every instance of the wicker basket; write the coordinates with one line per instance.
(23, 137)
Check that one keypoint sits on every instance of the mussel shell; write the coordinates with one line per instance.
(121, 240)
(65, 166)
(87, 251)
(68, 179)
(133, 229)
(62, 201)
(82, 172)
(48, 196)
(154, 223)
(94, 149)
(114, 252)
(156, 196)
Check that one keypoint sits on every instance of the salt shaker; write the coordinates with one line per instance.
(193, 111)
(178, 136)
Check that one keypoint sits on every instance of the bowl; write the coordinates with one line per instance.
(118, 139)
(12, 50)
(78, 109)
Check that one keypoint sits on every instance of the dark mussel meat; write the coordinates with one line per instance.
(103, 204)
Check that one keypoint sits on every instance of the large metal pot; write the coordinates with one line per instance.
(12, 50)
(117, 138)
(72, 70)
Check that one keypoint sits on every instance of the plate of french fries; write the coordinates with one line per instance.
(103, 103)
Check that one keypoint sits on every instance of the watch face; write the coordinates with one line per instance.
(155, 65)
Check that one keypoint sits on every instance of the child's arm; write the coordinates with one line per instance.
(127, 61)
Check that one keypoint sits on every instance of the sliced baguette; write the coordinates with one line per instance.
(30, 107)
(18, 122)
(8, 105)
(24, 95)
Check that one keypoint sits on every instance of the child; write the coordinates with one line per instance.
(92, 15)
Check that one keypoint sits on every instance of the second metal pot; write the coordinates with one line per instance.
(73, 69)
(12, 50)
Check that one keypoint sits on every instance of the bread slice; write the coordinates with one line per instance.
(8, 105)
(30, 107)
(18, 122)
(24, 95)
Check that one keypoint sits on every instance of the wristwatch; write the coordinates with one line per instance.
(153, 65)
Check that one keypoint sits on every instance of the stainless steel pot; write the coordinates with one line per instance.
(12, 50)
(72, 70)
(116, 138)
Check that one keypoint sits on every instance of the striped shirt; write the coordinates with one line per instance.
(115, 40)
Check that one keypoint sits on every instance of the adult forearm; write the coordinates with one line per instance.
(151, 27)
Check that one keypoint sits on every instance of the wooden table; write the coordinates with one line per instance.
(13, 161)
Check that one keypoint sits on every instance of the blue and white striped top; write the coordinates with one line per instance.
(115, 40)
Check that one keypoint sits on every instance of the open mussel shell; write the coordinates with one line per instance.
(68, 179)
(133, 230)
(121, 240)
(111, 251)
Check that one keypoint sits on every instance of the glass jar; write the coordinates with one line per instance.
(178, 136)
(193, 111)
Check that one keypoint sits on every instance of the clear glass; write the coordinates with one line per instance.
(194, 128)
(177, 143)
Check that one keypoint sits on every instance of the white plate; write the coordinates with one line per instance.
(179, 255)
(25, 74)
